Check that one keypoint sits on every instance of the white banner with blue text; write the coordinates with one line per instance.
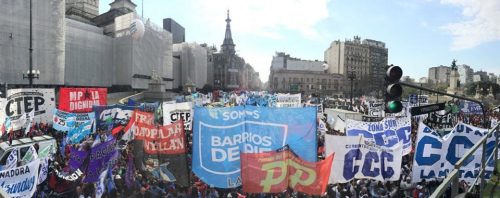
(358, 158)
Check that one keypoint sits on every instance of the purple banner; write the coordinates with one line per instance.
(129, 175)
(76, 158)
(100, 156)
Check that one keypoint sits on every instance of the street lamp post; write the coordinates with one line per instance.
(31, 74)
(351, 76)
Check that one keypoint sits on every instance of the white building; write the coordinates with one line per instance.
(466, 74)
(73, 46)
(190, 64)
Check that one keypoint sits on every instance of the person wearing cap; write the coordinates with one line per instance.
(417, 192)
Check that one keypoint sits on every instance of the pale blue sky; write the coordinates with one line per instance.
(418, 33)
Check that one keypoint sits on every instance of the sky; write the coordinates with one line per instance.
(419, 34)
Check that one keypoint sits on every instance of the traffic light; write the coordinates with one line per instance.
(393, 90)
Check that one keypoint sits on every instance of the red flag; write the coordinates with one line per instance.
(116, 130)
(273, 172)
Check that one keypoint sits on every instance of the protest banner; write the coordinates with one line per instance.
(387, 132)
(81, 100)
(219, 134)
(178, 111)
(44, 170)
(288, 100)
(275, 171)
(468, 107)
(66, 121)
(149, 107)
(22, 101)
(358, 158)
(100, 156)
(416, 100)
(20, 181)
(442, 121)
(138, 117)
(435, 157)
(376, 108)
(69, 176)
(168, 139)
(112, 117)
(76, 158)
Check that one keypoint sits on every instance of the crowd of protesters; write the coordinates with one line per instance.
(146, 184)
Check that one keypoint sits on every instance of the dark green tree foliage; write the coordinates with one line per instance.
(470, 89)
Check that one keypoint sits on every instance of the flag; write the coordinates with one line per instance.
(322, 126)
(31, 116)
(30, 155)
(44, 169)
(131, 102)
(130, 173)
(12, 160)
(97, 140)
(165, 174)
(100, 187)
(63, 146)
(43, 153)
(7, 125)
(111, 183)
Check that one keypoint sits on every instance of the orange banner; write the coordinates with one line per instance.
(273, 172)
(169, 139)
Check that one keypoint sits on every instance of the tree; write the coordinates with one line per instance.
(407, 91)
(470, 89)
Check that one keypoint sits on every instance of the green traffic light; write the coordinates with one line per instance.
(394, 106)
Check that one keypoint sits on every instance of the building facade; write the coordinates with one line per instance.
(293, 75)
(492, 77)
(480, 76)
(178, 32)
(439, 75)
(101, 53)
(359, 60)
(190, 65)
(82, 10)
(466, 74)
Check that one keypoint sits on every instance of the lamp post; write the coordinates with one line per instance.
(31, 74)
(351, 76)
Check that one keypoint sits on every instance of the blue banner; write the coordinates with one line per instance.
(65, 121)
(470, 108)
(219, 134)
(387, 132)
(435, 156)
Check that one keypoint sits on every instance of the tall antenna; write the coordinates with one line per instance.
(142, 9)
